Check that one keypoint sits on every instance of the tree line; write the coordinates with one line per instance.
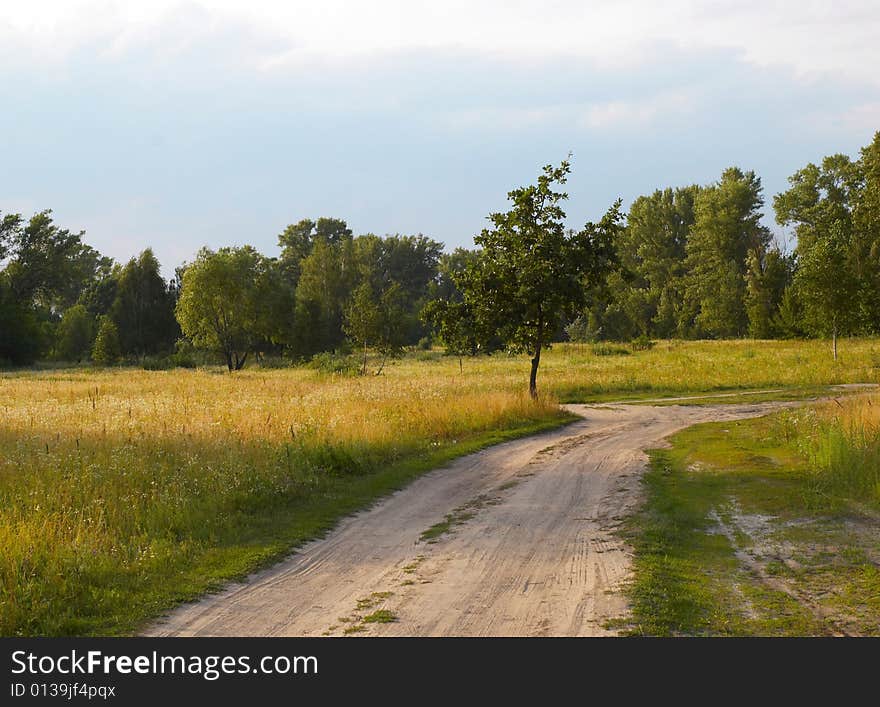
(690, 262)
(696, 262)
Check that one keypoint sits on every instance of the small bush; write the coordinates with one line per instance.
(157, 363)
(580, 331)
(107, 351)
(609, 350)
(642, 343)
(183, 360)
(275, 362)
(425, 343)
(334, 363)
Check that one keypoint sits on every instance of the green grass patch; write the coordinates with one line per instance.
(382, 616)
(117, 593)
(460, 515)
(732, 542)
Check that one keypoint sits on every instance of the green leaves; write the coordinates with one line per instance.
(224, 300)
(531, 271)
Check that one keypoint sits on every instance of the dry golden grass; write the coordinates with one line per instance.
(123, 491)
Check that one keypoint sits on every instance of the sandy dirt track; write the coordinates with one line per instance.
(534, 554)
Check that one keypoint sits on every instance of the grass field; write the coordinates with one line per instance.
(124, 491)
(764, 527)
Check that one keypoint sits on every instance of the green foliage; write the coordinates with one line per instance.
(107, 349)
(726, 232)
(326, 279)
(788, 322)
(460, 331)
(642, 343)
(609, 350)
(647, 290)
(377, 321)
(767, 278)
(362, 319)
(143, 308)
(532, 272)
(580, 332)
(21, 337)
(75, 335)
(329, 362)
(819, 205)
(225, 302)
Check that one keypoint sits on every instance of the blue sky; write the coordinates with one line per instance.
(181, 124)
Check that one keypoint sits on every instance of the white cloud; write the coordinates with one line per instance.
(598, 116)
(812, 38)
(862, 119)
(630, 114)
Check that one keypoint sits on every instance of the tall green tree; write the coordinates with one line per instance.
(143, 308)
(223, 302)
(532, 271)
(648, 286)
(825, 285)
(298, 240)
(727, 228)
(866, 223)
(819, 206)
(49, 265)
(377, 319)
(21, 337)
(767, 278)
(325, 284)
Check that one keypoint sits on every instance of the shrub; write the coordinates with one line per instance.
(609, 350)
(580, 331)
(107, 350)
(329, 362)
(642, 343)
(157, 363)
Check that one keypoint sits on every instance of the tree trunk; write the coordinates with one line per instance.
(536, 360)
(382, 365)
(229, 361)
(460, 366)
(239, 362)
(364, 367)
(834, 340)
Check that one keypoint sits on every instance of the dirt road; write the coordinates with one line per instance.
(530, 548)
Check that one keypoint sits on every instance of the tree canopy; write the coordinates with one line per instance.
(531, 271)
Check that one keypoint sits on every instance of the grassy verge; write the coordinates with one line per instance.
(746, 531)
(113, 591)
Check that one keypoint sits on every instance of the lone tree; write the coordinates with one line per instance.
(532, 272)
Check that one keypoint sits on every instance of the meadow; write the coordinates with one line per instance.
(124, 491)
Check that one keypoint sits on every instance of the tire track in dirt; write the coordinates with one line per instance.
(535, 554)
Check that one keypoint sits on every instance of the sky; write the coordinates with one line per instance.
(176, 124)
